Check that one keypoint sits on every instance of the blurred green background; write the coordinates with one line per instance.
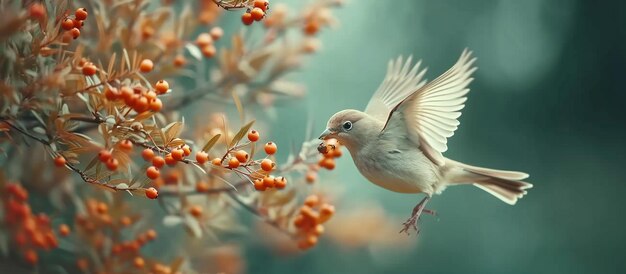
(547, 100)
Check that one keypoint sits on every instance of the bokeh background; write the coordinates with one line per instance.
(547, 99)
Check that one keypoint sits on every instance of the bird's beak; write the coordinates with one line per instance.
(325, 134)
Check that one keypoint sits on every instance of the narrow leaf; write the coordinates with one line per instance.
(242, 132)
(211, 143)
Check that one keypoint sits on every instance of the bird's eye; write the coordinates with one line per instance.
(347, 125)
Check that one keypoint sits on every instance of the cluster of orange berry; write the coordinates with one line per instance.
(106, 157)
(257, 12)
(330, 149)
(132, 247)
(204, 41)
(73, 26)
(267, 166)
(87, 68)
(309, 220)
(31, 232)
(139, 98)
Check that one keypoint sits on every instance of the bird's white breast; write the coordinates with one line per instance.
(396, 165)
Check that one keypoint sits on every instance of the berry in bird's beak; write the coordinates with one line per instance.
(325, 134)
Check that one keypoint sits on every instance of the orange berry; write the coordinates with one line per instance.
(267, 165)
(280, 182)
(327, 163)
(262, 4)
(202, 186)
(186, 150)
(82, 264)
(59, 161)
(161, 87)
(126, 93)
(64, 230)
(75, 32)
(253, 136)
(102, 208)
(257, 14)
(152, 193)
(89, 69)
(217, 161)
(151, 234)
(268, 181)
(270, 148)
(202, 157)
(125, 145)
(78, 23)
(141, 104)
(158, 161)
(146, 65)
(126, 221)
(298, 221)
(311, 240)
(312, 200)
(172, 177)
(111, 93)
(104, 155)
(311, 27)
(177, 154)
(259, 185)
(152, 172)
(310, 177)
(31, 257)
(318, 230)
(112, 164)
(138, 262)
(246, 18)
(241, 155)
(81, 14)
(151, 95)
(233, 163)
(216, 33)
(204, 39)
(36, 11)
(155, 105)
(326, 211)
(208, 51)
(335, 152)
(195, 211)
(179, 61)
(67, 24)
(147, 154)
(169, 160)
(309, 213)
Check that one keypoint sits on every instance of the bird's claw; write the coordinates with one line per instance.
(415, 216)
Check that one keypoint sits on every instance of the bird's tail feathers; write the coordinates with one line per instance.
(503, 184)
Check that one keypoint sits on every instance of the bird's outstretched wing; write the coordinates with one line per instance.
(430, 114)
(401, 80)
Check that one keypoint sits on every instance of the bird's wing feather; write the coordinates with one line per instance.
(400, 81)
(431, 113)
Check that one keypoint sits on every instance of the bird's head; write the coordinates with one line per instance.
(348, 126)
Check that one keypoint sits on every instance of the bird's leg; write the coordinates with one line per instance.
(417, 212)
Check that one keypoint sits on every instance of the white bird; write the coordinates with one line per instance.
(398, 141)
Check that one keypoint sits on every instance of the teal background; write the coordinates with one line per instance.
(547, 99)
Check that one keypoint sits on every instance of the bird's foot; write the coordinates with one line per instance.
(411, 223)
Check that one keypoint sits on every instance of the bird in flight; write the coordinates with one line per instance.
(398, 141)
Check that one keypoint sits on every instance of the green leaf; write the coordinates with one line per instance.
(211, 143)
(242, 132)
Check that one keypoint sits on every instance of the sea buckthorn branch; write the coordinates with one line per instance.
(232, 4)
